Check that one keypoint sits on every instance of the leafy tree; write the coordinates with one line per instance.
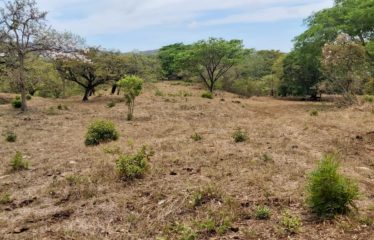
(89, 73)
(302, 66)
(211, 59)
(344, 65)
(23, 31)
(132, 86)
(169, 57)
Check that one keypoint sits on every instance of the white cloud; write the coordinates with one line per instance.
(89, 17)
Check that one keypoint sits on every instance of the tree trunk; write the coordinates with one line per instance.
(86, 94)
(22, 83)
(114, 88)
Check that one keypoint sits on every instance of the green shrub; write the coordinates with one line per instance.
(132, 87)
(158, 93)
(111, 104)
(10, 136)
(313, 112)
(330, 193)
(5, 198)
(291, 223)
(208, 95)
(205, 195)
(16, 103)
(18, 163)
(368, 99)
(101, 131)
(130, 167)
(217, 226)
(240, 136)
(262, 213)
(28, 97)
(196, 137)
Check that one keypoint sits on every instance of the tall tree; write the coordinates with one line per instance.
(23, 31)
(211, 59)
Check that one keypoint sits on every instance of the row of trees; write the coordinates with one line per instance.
(34, 58)
(335, 53)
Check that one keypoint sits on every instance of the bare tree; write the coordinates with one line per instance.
(23, 31)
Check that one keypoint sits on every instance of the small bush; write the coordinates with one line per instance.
(314, 112)
(205, 195)
(51, 111)
(18, 163)
(17, 103)
(368, 99)
(10, 136)
(218, 226)
(111, 104)
(208, 95)
(28, 97)
(240, 136)
(262, 213)
(330, 193)
(158, 93)
(5, 198)
(101, 131)
(291, 223)
(196, 137)
(130, 167)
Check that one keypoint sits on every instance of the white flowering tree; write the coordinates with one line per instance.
(345, 67)
(23, 31)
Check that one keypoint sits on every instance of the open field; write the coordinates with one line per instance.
(72, 192)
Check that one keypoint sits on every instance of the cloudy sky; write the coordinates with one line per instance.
(148, 24)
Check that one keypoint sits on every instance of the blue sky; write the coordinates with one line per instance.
(128, 25)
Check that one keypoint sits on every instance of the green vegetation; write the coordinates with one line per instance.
(130, 167)
(101, 131)
(196, 137)
(10, 136)
(17, 103)
(240, 136)
(291, 223)
(262, 213)
(329, 192)
(207, 95)
(132, 86)
(5, 198)
(205, 195)
(18, 163)
(314, 112)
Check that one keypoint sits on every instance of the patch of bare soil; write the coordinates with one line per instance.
(72, 192)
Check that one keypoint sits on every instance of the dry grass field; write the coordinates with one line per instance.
(71, 191)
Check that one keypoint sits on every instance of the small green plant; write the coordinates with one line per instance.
(5, 198)
(17, 103)
(10, 136)
(329, 192)
(111, 104)
(28, 97)
(205, 195)
(262, 213)
(196, 137)
(266, 157)
(159, 93)
(101, 131)
(182, 231)
(52, 111)
(314, 112)
(132, 87)
(18, 163)
(291, 223)
(208, 95)
(130, 167)
(112, 150)
(216, 226)
(62, 107)
(368, 98)
(240, 136)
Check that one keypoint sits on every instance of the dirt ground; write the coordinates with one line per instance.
(72, 191)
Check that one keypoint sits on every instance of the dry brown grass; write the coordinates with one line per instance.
(72, 192)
